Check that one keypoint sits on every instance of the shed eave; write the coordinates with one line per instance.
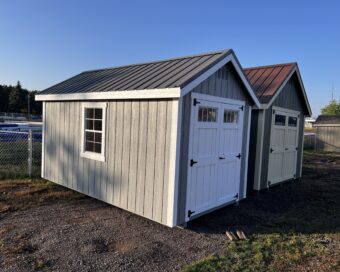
(294, 70)
(119, 95)
(229, 58)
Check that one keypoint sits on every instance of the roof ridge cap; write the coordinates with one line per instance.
(270, 65)
(222, 52)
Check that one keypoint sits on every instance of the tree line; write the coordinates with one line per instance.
(15, 99)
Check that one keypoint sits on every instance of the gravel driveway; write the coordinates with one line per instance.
(88, 235)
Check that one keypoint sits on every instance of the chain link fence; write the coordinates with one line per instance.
(20, 154)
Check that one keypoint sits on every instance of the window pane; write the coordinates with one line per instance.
(292, 121)
(98, 114)
(89, 113)
(97, 148)
(280, 120)
(89, 146)
(230, 116)
(97, 125)
(98, 137)
(207, 114)
(89, 136)
(89, 124)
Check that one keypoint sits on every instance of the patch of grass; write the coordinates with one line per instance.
(40, 265)
(274, 252)
(25, 193)
(293, 227)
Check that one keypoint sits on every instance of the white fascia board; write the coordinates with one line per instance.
(217, 66)
(266, 106)
(133, 94)
(213, 98)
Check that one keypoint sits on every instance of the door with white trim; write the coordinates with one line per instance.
(214, 155)
(283, 145)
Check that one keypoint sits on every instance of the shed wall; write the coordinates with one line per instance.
(289, 98)
(135, 174)
(328, 138)
(224, 83)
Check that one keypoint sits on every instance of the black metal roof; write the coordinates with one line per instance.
(176, 72)
(328, 119)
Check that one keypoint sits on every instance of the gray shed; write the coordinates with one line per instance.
(327, 133)
(277, 127)
(167, 140)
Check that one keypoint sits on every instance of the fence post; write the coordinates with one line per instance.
(30, 153)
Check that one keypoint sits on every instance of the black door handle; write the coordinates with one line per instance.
(222, 158)
(286, 148)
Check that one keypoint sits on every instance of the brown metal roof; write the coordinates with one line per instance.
(177, 72)
(267, 80)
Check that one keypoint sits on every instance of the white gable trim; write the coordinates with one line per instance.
(266, 106)
(133, 94)
(213, 69)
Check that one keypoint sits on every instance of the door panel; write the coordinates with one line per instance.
(214, 167)
(283, 146)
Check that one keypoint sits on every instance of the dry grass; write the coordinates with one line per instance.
(25, 193)
(22, 194)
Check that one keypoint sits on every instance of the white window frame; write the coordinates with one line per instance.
(88, 154)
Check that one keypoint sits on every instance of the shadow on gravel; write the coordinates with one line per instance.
(311, 205)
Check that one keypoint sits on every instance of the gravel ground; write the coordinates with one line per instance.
(88, 235)
(85, 234)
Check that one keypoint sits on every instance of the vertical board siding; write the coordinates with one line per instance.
(150, 159)
(327, 139)
(135, 173)
(223, 83)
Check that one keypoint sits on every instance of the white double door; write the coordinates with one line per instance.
(283, 145)
(214, 154)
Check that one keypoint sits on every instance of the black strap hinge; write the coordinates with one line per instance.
(239, 156)
(196, 102)
(236, 196)
(192, 162)
(241, 108)
(190, 212)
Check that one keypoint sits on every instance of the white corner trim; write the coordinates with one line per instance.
(301, 159)
(212, 70)
(43, 140)
(174, 160)
(133, 94)
(247, 155)
(93, 155)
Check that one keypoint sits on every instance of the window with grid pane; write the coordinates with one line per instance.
(93, 130)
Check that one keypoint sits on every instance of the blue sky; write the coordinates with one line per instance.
(44, 42)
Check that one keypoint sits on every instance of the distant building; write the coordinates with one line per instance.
(309, 122)
(328, 133)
